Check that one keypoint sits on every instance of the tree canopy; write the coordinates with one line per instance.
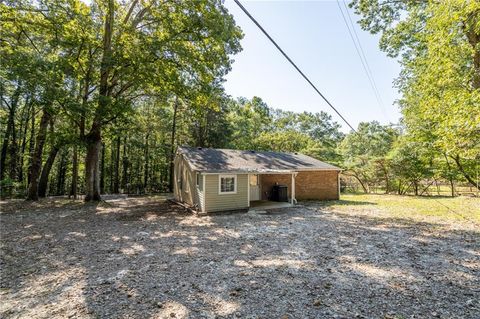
(95, 98)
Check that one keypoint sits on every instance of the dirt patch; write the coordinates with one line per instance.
(139, 258)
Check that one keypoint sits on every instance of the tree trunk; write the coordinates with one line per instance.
(36, 162)
(12, 108)
(116, 183)
(145, 169)
(6, 139)
(125, 187)
(172, 143)
(22, 152)
(102, 171)
(387, 180)
(465, 174)
(73, 188)
(24, 141)
(13, 153)
(450, 175)
(364, 186)
(94, 137)
(92, 169)
(31, 147)
(110, 170)
(62, 169)
(473, 36)
(43, 183)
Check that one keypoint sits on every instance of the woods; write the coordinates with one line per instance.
(96, 97)
(91, 67)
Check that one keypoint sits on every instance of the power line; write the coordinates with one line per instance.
(291, 62)
(362, 56)
(377, 92)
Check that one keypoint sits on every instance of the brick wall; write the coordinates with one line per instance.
(317, 185)
(308, 185)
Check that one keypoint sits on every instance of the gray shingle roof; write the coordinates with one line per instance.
(225, 160)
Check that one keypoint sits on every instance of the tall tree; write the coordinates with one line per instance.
(438, 43)
(363, 150)
(155, 45)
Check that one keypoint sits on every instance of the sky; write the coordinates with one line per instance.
(316, 38)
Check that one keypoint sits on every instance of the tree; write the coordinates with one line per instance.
(364, 153)
(439, 46)
(411, 161)
(319, 127)
(249, 118)
(148, 46)
(91, 64)
(283, 141)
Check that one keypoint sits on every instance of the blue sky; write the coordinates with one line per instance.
(314, 35)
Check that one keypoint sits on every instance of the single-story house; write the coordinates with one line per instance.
(223, 179)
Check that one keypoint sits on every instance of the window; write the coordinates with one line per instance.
(227, 184)
(253, 180)
(198, 179)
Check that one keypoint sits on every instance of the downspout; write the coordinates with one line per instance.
(204, 193)
(338, 184)
(293, 199)
(248, 190)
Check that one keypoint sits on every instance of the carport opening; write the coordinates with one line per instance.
(272, 189)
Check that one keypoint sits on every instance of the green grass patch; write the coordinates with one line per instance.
(461, 208)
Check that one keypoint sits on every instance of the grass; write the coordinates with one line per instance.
(419, 208)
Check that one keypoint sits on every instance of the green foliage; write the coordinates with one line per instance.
(141, 77)
(439, 47)
(91, 65)
(364, 153)
(257, 126)
(411, 161)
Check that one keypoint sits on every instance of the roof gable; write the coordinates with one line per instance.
(227, 160)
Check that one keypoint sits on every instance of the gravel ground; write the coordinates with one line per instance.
(143, 258)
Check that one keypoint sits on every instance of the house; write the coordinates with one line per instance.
(223, 179)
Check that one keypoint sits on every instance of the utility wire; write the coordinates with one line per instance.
(380, 100)
(291, 62)
(361, 54)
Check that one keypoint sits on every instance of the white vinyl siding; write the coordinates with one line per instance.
(185, 189)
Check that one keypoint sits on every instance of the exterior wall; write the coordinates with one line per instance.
(189, 193)
(222, 202)
(316, 185)
(308, 184)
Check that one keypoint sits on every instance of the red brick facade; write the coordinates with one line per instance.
(317, 185)
(308, 184)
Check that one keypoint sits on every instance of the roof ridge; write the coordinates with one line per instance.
(241, 150)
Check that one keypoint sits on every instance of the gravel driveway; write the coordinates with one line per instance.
(143, 258)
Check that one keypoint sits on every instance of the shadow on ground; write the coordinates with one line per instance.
(143, 258)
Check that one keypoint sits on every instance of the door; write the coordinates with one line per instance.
(254, 187)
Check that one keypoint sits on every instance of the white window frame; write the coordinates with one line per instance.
(234, 176)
